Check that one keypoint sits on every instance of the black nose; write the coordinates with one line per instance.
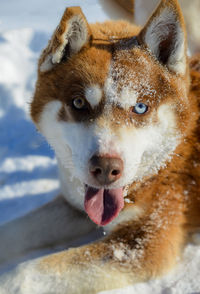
(105, 170)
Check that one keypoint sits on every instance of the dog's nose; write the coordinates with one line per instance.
(105, 169)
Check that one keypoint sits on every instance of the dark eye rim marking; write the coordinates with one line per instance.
(140, 104)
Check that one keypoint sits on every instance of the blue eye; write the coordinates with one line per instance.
(140, 108)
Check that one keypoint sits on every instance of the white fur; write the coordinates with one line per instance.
(76, 34)
(119, 254)
(93, 95)
(47, 63)
(144, 151)
(52, 130)
(156, 33)
(125, 99)
(128, 98)
(72, 188)
(135, 84)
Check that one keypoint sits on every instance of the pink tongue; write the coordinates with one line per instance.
(102, 205)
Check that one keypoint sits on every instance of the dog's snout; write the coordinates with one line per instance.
(105, 169)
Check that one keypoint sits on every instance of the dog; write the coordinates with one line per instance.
(120, 106)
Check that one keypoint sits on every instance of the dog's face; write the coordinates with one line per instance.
(113, 106)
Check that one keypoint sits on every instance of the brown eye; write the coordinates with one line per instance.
(78, 103)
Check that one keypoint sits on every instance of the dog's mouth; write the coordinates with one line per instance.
(103, 205)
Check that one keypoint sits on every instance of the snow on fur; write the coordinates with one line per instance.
(28, 176)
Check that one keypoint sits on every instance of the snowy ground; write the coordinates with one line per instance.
(28, 175)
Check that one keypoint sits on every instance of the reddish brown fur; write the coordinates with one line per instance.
(170, 200)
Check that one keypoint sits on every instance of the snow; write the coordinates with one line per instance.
(183, 280)
(28, 172)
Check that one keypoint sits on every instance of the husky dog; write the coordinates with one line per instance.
(120, 107)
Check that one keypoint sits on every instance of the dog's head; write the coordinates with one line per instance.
(112, 101)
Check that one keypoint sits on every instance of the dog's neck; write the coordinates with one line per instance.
(71, 187)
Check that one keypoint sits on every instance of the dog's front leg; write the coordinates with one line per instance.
(132, 253)
(51, 225)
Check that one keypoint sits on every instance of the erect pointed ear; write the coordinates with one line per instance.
(70, 36)
(164, 35)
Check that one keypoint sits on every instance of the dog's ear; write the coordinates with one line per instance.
(70, 36)
(164, 35)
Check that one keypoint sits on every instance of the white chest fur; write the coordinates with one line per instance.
(71, 187)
